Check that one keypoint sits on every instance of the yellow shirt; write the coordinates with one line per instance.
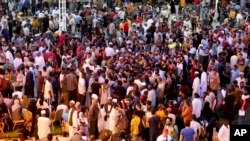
(35, 24)
(134, 129)
(129, 23)
(121, 26)
(172, 45)
(186, 45)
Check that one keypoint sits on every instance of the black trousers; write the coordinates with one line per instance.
(72, 95)
(93, 128)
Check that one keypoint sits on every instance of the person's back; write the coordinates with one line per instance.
(187, 134)
(153, 123)
(71, 81)
(43, 126)
(153, 126)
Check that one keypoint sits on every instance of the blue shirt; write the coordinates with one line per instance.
(78, 19)
(235, 74)
(187, 134)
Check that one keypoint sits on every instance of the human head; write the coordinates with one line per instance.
(168, 121)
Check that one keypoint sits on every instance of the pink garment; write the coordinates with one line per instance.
(7, 102)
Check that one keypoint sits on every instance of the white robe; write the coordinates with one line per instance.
(73, 128)
(203, 83)
(43, 128)
(9, 56)
(101, 122)
(17, 62)
(112, 116)
(196, 85)
(197, 107)
(40, 61)
(106, 123)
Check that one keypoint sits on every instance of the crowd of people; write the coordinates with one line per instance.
(125, 70)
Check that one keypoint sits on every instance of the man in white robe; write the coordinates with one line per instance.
(40, 60)
(48, 91)
(72, 120)
(197, 106)
(9, 56)
(43, 126)
(203, 82)
(196, 84)
(17, 61)
(112, 117)
(224, 132)
(107, 110)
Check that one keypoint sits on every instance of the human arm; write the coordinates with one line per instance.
(181, 138)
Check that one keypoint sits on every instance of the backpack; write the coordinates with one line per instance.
(122, 123)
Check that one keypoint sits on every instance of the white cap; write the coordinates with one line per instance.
(196, 72)
(84, 138)
(94, 96)
(109, 98)
(110, 43)
(72, 102)
(43, 112)
(114, 100)
(143, 84)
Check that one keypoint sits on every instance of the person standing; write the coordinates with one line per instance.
(135, 127)
(164, 136)
(39, 59)
(71, 83)
(93, 116)
(224, 132)
(172, 128)
(196, 126)
(29, 83)
(107, 110)
(153, 126)
(186, 111)
(48, 91)
(43, 125)
(82, 87)
(187, 133)
(196, 84)
(203, 82)
(197, 105)
(72, 120)
(19, 80)
(176, 5)
(244, 106)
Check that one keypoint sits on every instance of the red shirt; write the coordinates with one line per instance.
(49, 56)
(125, 27)
(62, 39)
